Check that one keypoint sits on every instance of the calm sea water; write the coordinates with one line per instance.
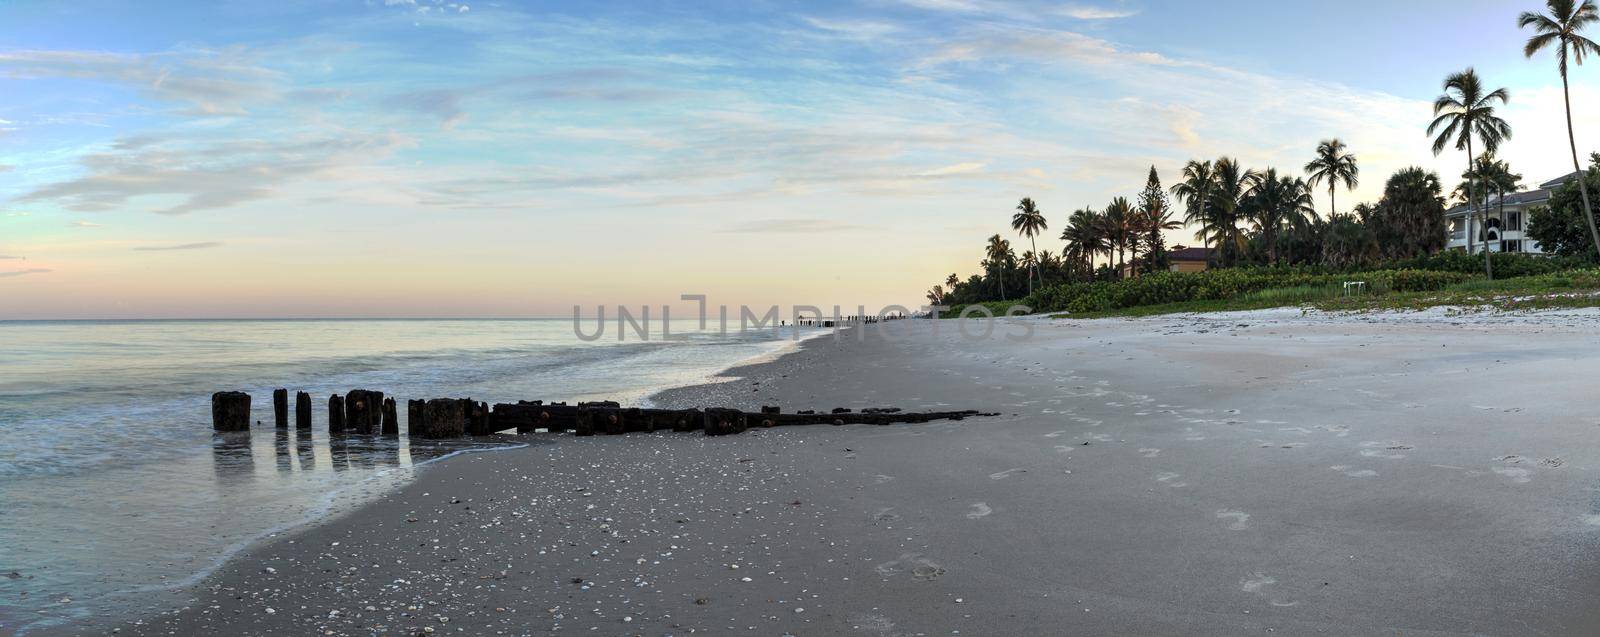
(115, 493)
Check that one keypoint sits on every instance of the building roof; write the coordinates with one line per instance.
(1189, 254)
(1538, 195)
(1553, 183)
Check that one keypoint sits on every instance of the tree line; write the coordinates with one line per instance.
(1246, 217)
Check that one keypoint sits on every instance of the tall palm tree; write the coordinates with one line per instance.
(1561, 29)
(1335, 166)
(1497, 175)
(1195, 191)
(999, 253)
(1227, 195)
(1115, 221)
(951, 281)
(1028, 221)
(936, 295)
(1465, 112)
(1084, 238)
(1273, 203)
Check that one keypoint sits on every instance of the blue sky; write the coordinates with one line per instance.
(425, 157)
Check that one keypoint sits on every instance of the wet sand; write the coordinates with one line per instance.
(1263, 472)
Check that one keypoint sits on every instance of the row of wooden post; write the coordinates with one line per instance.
(364, 411)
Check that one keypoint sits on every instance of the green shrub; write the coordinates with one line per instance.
(1176, 287)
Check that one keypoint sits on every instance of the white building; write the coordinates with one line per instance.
(1503, 231)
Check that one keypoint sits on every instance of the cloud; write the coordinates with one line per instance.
(1021, 10)
(601, 84)
(16, 273)
(18, 214)
(953, 169)
(791, 226)
(207, 174)
(7, 257)
(210, 82)
(83, 224)
(202, 245)
(1089, 12)
(853, 29)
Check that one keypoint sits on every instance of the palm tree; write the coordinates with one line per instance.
(1195, 191)
(1409, 219)
(1496, 174)
(936, 295)
(1028, 221)
(951, 281)
(1048, 263)
(1084, 238)
(1227, 195)
(1561, 28)
(1334, 166)
(1275, 202)
(1466, 111)
(1115, 223)
(999, 253)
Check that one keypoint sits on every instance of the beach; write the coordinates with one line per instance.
(1262, 472)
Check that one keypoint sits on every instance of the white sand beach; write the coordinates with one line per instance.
(1251, 473)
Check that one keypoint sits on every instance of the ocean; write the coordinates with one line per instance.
(115, 494)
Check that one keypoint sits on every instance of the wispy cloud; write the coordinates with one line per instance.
(207, 174)
(210, 82)
(7, 257)
(954, 169)
(201, 245)
(792, 226)
(16, 273)
(1090, 12)
(83, 224)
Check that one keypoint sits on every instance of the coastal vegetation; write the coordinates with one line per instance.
(1262, 240)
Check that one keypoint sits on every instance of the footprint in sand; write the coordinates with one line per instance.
(1241, 520)
(1257, 581)
(1149, 452)
(979, 510)
(918, 567)
(1386, 450)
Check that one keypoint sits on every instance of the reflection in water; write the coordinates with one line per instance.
(233, 454)
(166, 524)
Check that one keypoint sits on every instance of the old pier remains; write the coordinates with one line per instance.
(362, 411)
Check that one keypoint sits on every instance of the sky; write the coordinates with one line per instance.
(416, 158)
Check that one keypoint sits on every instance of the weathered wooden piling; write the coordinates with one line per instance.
(414, 417)
(363, 411)
(723, 422)
(280, 408)
(230, 411)
(302, 410)
(391, 419)
(366, 411)
(442, 418)
(476, 417)
(335, 414)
